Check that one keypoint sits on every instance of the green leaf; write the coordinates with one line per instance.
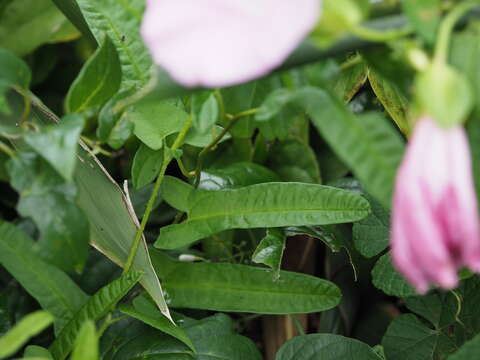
(94, 309)
(371, 235)
(350, 81)
(145, 311)
(387, 279)
(263, 205)
(34, 351)
(98, 80)
(367, 143)
(327, 237)
(470, 350)
(241, 288)
(207, 112)
(114, 234)
(57, 144)
(146, 166)
(121, 22)
(86, 344)
(325, 347)
(392, 99)
(270, 250)
(71, 10)
(13, 70)
(155, 121)
(294, 160)
(51, 287)
(25, 25)
(425, 16)
(29, 326)
(177, 193)
(50, 202)
(407, 338)
(237, 99)
(235, 175)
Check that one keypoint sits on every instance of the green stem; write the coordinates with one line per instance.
(373, 35)
(168, 156)
(233, 119)
(446, 29)
(298, 325)
(109, 321)
(6, 149)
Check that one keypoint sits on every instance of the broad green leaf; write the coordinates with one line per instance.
(86, 344)
(470, 350)
(58, 144)
(294, 160)
(367, 143)
(25, 25)
(121, 22)
(351, 80)
(145, 311)
(13, 70)
(196, 138)
(34, 351)
(270, 250)
(235, 175)
(392, 99)
(371, 235)
(241, 288)
(146, 166)
(425, 16)
(325, 347)
(407, 338)
(51, 203)
(29, 326)
(263, 205)
(94, 309)
(155, 121)
(237, 99)
(387, 279)
(98, 80)
(51, 287)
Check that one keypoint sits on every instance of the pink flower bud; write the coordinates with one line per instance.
(217, 43)
(435, 226)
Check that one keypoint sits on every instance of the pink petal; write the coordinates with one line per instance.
(217, 43)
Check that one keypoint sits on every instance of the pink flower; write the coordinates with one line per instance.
(435, 225)
(217, 43)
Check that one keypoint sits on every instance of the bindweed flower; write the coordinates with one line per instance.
(435, 226)
(217, 43)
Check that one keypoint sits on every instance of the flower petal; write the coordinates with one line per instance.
(217, 43)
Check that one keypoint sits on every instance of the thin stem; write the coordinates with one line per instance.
(6, 149)
(183, 169)
(370, 34)
(446, 28)
(168, 156)
(232, 120)
(221, 103)
(109, 321)
(298, 325)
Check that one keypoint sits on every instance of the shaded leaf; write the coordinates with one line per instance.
(29, 326)
(325, 347)
(52, 288)
(146, 166)
(98, 80)
(94, 309)
(387, 279)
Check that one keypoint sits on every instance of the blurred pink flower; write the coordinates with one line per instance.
(217, 43)
(435, 226)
